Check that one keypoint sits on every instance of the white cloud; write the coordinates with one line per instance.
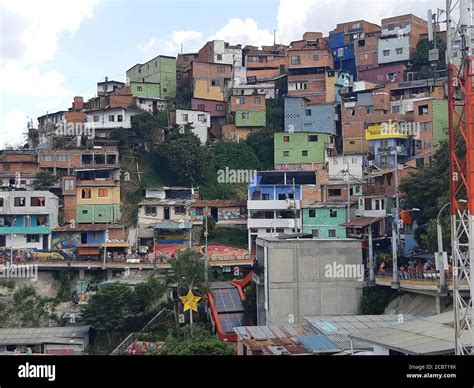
(12, 128)
(191, 41)
(244, 32)
(295, 18)
(31, 81)
(33, 27)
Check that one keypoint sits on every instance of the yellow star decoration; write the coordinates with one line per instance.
(190, 301)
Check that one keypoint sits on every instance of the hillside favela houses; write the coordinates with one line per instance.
(264, 187)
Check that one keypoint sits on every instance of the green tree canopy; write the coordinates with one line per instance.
(45, 180)
(199, 343)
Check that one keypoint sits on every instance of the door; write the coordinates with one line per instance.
(215, 213)
(3, 240)
(45, 242)
(83, 238)
(167, 213)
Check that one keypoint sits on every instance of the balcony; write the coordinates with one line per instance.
(272, 204)
(403, 151)
(381, 132)
(268, 223)
(4, 230)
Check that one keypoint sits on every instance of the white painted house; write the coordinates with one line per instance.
(200, 121)
(111, 118)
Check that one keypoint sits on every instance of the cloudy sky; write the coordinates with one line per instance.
(53, 50)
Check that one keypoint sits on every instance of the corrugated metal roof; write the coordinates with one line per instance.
(429, 336)
(318, 342)
(70, 334)
(339, 328)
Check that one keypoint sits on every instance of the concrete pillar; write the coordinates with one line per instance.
(81, 274)
(441, 302)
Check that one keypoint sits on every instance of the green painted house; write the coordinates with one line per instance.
(154, 79)
(300, 147)
(440, 121)
(323, 219)
(250, 119)
(98, 213)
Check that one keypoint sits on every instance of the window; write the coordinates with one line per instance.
(423, 110)
(241, 101)
(312, 138)
(32, 238)
(86, 193)
(352, 112)
(280, 230)
(370, 110)
(361, 42)
(304, 153)
(179, 210)
(111, 118)
(334, 192)
(399, 51)
(220, 69)
(257, 100)
(139, 88)
(315, 233)
(286, 139)
(219, 57)
(427, 143)
(307, 112)
(215, 82)
(312, 213)
(286, 154)
(184, 117)
(428, 126)
(1, 202)
(27, 222)
(299, 86)
(201, 107)
(332, 233)
(202, 118)
(386, 53)
(219, 107)
(392, 76)
(165, 90)
(119, 118)
(85, 212)
(150, 211)
(315, 57)
(96, 118)
(245, 115)
(268, 230)
(340, 52)
(352, 142)
(102, 193)
(396, 109)
(265, 197)
(295, 60)
(19, 202)
(38, 201)
(333, 213)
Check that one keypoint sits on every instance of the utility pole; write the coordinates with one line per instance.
(11, 242)
(206, 255)
(105, 243)
(395, 225)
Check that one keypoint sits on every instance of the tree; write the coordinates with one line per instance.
(199, 343)
(185, 157)
(421, 61)
(275, 115)
(108, 309)
(145, 294)
(45, 180)
(263, 145)
(428, 190)
(188, 270)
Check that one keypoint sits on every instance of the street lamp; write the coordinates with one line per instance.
(395, 280)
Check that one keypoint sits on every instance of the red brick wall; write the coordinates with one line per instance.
(250, 103)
